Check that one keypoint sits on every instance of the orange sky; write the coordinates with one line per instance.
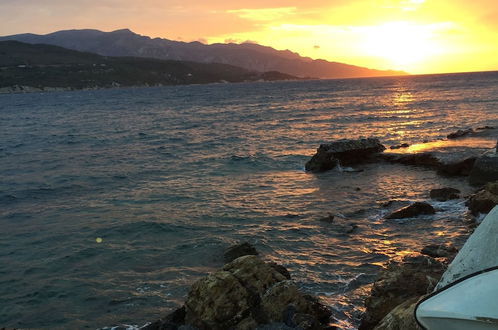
(418, 36)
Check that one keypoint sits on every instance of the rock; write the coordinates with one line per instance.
(478, 252)
(460, 133)
(444, 194)
(281, 269)
(246, 294)
(412, 210)
(485, 170)
(459, 167)
(414, 276)
(484, 200)
(399, 146)
(171, 322)
(239, 250)
(425, 159)
(440, 251)
(401, 318)
(347, 152)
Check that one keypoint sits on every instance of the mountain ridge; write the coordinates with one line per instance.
(254, 57)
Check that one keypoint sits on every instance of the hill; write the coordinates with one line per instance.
(249, 56)
(46, 66)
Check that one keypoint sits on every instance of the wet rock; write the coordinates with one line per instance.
(485, 170)
(239, 250)
(412, 210)
(460, 167)
(401, 318)
(460, 133)
(246, 294)
(447, 251)
(484, 200)
(399, 146)
(424, 159)
(347, 152)
(444, 194)
(172, 321)
(414, 276)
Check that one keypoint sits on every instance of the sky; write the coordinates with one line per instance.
(417, 36)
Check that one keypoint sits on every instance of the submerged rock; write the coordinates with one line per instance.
(484, 200)
(412, 210)
(345, 152)
(399, 146)
(444, 194)
(239, 250)
(414, 276)
(246, 294)
(460, 133)
(485, 170)
(425, 159)
(447, 251)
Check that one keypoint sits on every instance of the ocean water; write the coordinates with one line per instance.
(169, 177)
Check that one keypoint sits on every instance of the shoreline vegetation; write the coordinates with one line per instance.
(28, 68)
(248, 293)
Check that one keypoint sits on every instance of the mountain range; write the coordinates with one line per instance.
(249, 56)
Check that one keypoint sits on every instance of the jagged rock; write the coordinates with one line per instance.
(246, 294)
(413, 277)
(347, 152)
(281, 269)
(401, 318)
(485, 170)
(460, 167)
(460, 133)
(444, 194)
(412, 210)
(239, 250)
(399, 146)
(484, 200)
(440, 251)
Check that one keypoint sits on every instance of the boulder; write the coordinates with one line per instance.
(460, 133)
(414, 276)
(484, 200)
(345, 152)
(411, 211)
(444, 194)
(447, 251)
(485, 170)
(239, 250)
(248, 293)
(401, 318)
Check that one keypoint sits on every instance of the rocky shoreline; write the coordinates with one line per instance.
(249, 293)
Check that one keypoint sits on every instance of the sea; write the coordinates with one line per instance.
(113, 202)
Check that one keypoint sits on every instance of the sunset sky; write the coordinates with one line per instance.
(418, 36)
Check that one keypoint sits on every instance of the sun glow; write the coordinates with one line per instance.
(404, 45)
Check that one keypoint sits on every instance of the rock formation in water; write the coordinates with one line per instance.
(343, 152)
(247, 293)
(413, 210)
